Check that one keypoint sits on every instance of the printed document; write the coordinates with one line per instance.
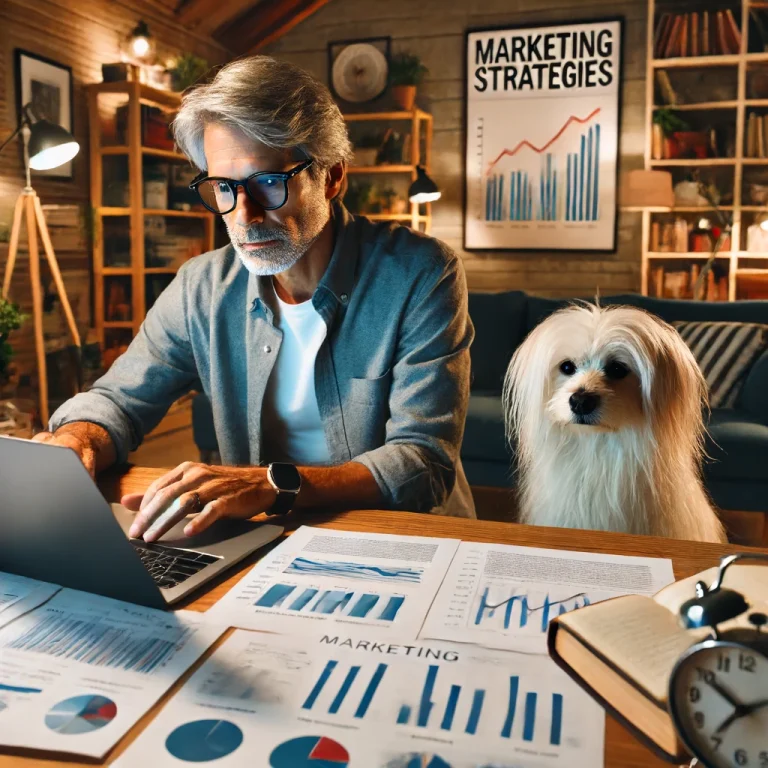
(353, 697)
(18, 595)
(318, 578)
(504, 596)
(79, 671)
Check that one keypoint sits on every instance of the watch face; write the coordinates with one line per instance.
(285, 476)
(718, 698)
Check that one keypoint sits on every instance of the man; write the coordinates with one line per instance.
(322, 340)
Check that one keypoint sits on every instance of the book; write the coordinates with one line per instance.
(622, 651)
(673, 41)
(760, 138)
(705, 46)
(684, 36)
(657, 278)
(732, 32)
(660, 35)
(694, 34)
(722, 44)
(751, 134)
(667, 92)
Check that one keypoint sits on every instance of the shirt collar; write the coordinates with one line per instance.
(339, 275)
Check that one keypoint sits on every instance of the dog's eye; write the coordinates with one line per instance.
(568, 367)
(616, 370)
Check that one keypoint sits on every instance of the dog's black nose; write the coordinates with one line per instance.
(583, 403)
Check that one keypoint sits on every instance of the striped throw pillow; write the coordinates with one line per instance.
(725, 352)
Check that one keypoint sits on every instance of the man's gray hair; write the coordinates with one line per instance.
(272, 101)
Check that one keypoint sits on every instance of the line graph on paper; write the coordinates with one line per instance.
(524, 608)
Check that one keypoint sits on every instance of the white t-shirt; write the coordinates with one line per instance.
(292, 430)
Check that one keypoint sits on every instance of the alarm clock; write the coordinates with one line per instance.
(718, 689)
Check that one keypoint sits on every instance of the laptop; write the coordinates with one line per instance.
(56, 526)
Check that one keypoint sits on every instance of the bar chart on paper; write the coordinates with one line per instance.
(352, 604)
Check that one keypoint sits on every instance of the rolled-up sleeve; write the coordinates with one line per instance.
(136, 392)
(416, 467)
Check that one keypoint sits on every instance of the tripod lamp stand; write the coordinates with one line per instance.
(46, 146)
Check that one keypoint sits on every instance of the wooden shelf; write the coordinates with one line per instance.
(702, 106)
(106, 210)
(392, 217)
(180, 214)
(755, 161)
(118, 324)
(751, 255)
(160, 271)
(690, 255)
(756, 102)
(381, 169)
(743, 271)
(687, 62)
(387, 116)
(147, 95)
(755, 208)
(167, 154)
(116, 271)
(694, 162)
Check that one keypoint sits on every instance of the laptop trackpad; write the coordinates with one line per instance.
(211, 539)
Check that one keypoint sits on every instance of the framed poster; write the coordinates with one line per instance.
(47, 86)
(542, 133)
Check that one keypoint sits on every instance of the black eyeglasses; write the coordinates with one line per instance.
(266, 189)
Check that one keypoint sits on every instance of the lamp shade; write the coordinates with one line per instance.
(50, 145)
(646, 189)
(423, 189)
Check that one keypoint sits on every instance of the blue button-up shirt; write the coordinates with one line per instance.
(391, 377)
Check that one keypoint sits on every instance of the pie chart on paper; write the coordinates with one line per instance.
(202, 741)
(309, 752)
(81, 714)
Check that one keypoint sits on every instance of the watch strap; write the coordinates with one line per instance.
(283, 503)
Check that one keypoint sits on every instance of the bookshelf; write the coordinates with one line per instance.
(139, 239)
(419, 152)
(734, 67)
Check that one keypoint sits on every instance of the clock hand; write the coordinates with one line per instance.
(723, 692)
(750, 708)
(740, 711)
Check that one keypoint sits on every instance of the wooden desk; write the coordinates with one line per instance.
(621, 748)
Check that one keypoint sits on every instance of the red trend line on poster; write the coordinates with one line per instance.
(526, 143)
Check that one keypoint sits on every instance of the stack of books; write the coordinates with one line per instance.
(757, 135)
(705, 33)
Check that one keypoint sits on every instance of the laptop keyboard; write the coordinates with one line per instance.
(169, 566)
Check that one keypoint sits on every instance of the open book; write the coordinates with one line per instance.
(622, 651)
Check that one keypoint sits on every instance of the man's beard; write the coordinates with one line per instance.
(280, 255)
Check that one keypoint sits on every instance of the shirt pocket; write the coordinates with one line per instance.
(371, 391)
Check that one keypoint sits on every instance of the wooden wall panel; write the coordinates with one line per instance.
(434, 29)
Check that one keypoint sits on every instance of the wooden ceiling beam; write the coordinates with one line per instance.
(268, 22)
(210, 15)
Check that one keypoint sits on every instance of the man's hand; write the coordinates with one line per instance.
(213, 492)
(90, 442)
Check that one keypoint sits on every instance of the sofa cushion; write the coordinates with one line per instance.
(754, 395)
(737, 446)
(725, 353)
(484, 438)
(499, 320)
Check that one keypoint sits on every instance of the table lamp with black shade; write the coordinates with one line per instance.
(423, 189)
(46, 146)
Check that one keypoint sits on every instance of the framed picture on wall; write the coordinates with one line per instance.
(542, 137)
(47, 86)
(358, 70)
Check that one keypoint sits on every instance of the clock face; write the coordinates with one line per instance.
(719, 701)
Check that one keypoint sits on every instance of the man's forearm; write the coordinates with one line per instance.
(346, 486)
(93, 438)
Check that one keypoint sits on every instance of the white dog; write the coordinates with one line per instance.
(606, 409)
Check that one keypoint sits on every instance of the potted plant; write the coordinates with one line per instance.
(187, 70)
(367, 149)
(387, 197)
(358, 196)
(11, 319)
(669, 123)
(405, 73)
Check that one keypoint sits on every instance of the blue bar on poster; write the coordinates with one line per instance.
(450, 708)
(588, 214)
(555, 731)
(514, 685)
(519, 206)
(553, 212)
(330, 601)
(568, 189)
(529, 723)
(404, 716)
(582, 156)
(474, 713)
(319, 685)
(487, 199)
(595, 195)
(370, 691)
(512, 196)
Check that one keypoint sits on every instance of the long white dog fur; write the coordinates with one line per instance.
(628, 458)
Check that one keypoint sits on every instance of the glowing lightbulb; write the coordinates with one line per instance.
(140, 46)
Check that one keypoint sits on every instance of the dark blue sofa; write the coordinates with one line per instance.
(736, 476)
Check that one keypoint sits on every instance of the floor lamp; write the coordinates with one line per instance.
(46, 146)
